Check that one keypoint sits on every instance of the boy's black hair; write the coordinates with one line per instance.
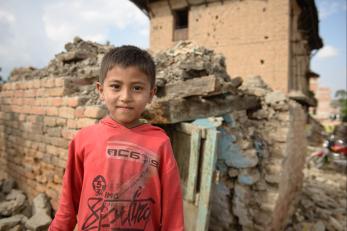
(126, 56)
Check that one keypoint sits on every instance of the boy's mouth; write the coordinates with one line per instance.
(124, 107)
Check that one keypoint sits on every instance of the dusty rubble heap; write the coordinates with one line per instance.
(16, 213)
(323, 202)
(192, 83)
(78, 65)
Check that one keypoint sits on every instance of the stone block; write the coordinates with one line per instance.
(248, 176)
(52, 111)
(66, 112)
(96, 112)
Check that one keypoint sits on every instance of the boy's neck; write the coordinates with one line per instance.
(136, 123)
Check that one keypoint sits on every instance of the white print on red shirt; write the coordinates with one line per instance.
(123, 207)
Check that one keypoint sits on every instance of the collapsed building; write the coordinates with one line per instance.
(239, 145)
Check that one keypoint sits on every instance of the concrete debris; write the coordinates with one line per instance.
(79, 65)
(13, 215)
(11, 222)
(14, 203)
(41, 213)
(323, 204)
(192, 83)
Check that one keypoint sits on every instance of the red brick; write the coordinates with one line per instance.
(50, 121)
(19, 93)
(75, 101)
(61, 121)
(29, 93)
(57, 179)
(68, 133)
(59, 82)
(41, 92)
(57, 101)
(59, 91)
(84, 122)
(41, 179)
(20, 85)
(48, 82)
(36, 83)
(94, 112)
(71, 123)
(38, 110)
(51, 111)
(79, 112)
(28, 101)
(53, 150)
(67, 112)
(54, 131)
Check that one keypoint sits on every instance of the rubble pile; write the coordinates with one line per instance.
(17, 214)
(79, 65)
(323, 202)
(261, 152)
(192, 83)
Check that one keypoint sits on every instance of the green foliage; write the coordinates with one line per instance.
(341, 100)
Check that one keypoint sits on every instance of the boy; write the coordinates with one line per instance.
(121, 174)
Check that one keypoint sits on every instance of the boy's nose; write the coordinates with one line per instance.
(125, 95)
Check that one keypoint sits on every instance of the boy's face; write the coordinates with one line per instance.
(126, 91)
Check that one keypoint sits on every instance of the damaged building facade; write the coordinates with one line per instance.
(239, 145)
(273, 39)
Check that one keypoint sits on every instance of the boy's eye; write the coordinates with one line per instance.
(115, 86)
(137, 88)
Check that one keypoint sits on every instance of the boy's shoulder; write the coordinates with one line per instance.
(155, 131)
(89, 130)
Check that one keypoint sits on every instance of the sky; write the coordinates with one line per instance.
(32, 32)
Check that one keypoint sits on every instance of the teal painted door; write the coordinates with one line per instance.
(195, 150)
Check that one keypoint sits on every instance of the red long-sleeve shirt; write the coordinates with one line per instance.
(120, 179)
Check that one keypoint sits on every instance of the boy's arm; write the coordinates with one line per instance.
(65, 218)
(172, 202)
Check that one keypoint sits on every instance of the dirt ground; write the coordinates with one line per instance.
(323, 202)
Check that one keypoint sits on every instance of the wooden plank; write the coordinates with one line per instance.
(208, 166)
(195, 142)
(179, 110)
(187, 128)
(191, 87)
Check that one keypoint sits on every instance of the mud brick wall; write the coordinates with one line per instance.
(38, 118)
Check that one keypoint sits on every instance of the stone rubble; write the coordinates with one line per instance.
(192, 82)
(323, 202)
(17, 214)
(79, 64)
(255, 159)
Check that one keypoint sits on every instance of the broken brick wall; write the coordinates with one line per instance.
(41, 110)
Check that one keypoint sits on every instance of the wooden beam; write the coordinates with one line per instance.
(180, 110)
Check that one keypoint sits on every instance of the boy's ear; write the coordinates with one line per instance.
(100, 89)
(152, 93)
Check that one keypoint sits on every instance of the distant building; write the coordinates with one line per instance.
(273, 39)
(324, 112)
